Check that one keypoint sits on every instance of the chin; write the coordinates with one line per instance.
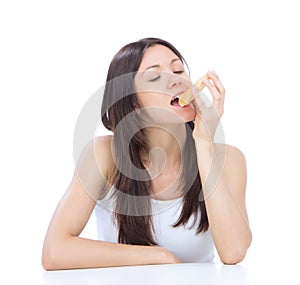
(162, 115)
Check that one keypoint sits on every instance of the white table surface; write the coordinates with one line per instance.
(186, 273)
(259, 271)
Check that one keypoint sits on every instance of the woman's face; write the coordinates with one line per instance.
(160, 78)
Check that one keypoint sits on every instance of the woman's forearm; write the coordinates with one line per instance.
(77, 252)
(228, 223)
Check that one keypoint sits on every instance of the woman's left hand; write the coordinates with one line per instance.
(208, 117)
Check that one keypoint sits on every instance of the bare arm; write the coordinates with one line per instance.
(223, 174)
(224, 193)
(64, 248)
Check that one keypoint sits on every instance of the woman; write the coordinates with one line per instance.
(163, 191)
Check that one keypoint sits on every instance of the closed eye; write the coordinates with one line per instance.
(154, 79)
(178, 71)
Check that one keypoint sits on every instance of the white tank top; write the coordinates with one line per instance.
(182, 241)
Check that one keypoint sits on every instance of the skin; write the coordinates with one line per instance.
(222, 169)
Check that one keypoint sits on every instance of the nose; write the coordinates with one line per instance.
(174, 81)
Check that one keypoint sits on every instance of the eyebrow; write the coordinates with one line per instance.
(157, 65)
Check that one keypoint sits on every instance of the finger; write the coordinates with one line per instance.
(217, 82)
(217, 97)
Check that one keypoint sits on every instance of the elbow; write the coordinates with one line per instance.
(237, 254)
(55, 255)
(47, 262)
(47, 265)
(233, 257)
(50, 258)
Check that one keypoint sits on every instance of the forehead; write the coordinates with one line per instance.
(157, 55)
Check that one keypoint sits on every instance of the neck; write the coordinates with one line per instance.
(164, 148)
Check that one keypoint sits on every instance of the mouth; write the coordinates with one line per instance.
(174, 101)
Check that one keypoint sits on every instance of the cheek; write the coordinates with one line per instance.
(149, 92)
(149, 99)
(142, 99)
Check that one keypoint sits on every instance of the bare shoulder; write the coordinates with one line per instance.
(234, 168)
(100, 147)
(103, 143)
(103, 150)
(95, 166)
(230, 154)
(97, 156)
(234, 155)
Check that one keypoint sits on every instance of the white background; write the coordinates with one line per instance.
(55, 55)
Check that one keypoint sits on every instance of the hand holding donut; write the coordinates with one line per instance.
(208, 117)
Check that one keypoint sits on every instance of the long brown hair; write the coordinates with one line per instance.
(133, 187)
